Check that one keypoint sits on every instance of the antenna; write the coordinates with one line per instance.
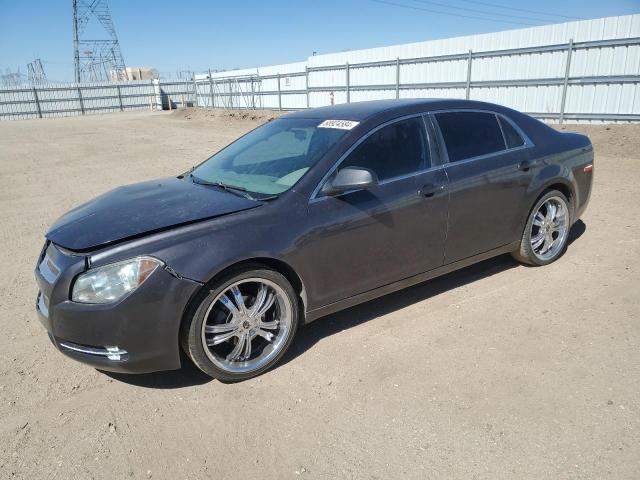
(96, 59)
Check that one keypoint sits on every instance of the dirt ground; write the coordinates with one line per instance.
(498, 371)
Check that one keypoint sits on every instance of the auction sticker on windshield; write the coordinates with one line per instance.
(340, 124)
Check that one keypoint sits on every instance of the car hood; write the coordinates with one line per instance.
(142, 208)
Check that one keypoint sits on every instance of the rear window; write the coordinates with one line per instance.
(512, 137)
(470, 134)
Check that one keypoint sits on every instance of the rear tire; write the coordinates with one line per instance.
(240, 326)
(546, 232)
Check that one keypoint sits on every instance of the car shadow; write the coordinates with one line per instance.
(307, 337)
(187, 376)
(354, 316)
(577, 229)
(351, 317)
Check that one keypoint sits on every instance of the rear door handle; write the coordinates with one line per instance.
(429, 190)
(526, 165)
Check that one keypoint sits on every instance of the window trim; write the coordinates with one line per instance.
(500, 118)
(428, 148)
(445, 152)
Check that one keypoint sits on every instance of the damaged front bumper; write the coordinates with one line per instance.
(137, 334)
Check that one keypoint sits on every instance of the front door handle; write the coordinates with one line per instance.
(429, 190)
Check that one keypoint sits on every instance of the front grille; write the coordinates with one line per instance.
(47, 268)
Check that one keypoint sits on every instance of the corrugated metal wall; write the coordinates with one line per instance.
(68, 99)
(525, 69)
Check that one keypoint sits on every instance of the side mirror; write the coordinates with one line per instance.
(350, 178)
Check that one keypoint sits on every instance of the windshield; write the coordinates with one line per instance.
(272, 158)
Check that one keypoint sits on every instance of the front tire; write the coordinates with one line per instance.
(242, 324)
(547, 230)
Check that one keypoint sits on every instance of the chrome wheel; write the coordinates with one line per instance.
(246, 325)
(549, 228)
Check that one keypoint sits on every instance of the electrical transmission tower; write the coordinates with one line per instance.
(35, 73)
(12, 79)
(96, 59)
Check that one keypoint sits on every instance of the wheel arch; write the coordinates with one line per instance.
(563, 185)
(258, 262)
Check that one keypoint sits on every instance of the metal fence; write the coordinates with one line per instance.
(397, 79)
(550, 82)
(90, 98)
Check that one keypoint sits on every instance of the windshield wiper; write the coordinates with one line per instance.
(269, 197)
(240, 191)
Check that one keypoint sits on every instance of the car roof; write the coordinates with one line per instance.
(361, 111)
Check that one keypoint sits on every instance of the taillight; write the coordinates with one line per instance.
(588, 168)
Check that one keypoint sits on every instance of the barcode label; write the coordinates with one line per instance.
(339, 124)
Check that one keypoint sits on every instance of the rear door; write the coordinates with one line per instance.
(369, 238)
(489, 171)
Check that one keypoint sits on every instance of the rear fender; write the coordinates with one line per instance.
(551, 175)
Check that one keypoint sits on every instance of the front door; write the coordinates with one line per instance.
(369, 238)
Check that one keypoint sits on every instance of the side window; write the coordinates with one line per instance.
(470, 134)
(395, 150)
(512, 137)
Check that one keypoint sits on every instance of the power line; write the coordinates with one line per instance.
(484, 12)
(495, 5)
(438, 12)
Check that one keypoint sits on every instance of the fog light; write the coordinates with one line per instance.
(114, 353)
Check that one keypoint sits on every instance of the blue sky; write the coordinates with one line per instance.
(199, 34)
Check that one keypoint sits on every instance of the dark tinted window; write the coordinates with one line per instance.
(397, 149)
(470, 134)
(512, 137)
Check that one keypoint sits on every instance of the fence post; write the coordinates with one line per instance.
(80, 99)
(397, 77)
(157, 90)
(186, 90)
(119, 98)
(35, 97)
(211, 89)
(306, 83)
(195, 92)
(348, 83)
(468, 89)
(279, 94)
(253, 95)
(565, 85)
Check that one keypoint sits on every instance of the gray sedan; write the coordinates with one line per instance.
(306, 215)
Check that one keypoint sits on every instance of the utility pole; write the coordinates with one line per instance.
(76, 52)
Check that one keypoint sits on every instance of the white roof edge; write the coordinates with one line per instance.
(580, 30)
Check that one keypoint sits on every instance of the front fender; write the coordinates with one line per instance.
(200, 251)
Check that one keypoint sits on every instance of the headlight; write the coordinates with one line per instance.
(112, 282)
